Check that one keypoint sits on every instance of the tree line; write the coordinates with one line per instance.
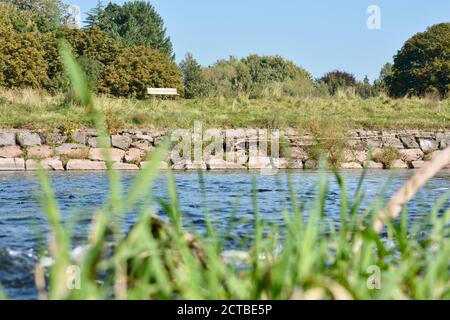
(125, 48)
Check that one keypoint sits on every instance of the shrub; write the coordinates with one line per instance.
(137, 68)
(423, 64)
(387, 156)
(336, 80)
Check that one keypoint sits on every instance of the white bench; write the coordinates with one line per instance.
(162, 92)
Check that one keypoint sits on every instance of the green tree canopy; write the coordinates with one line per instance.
(46, 15)
(137, 68)
(338, 79)
(195, 84)
(136, 23)
(423, 64)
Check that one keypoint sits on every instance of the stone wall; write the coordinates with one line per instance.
(24, 150)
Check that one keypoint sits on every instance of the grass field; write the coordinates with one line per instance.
(32, 109)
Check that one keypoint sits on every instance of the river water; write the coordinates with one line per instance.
(79, 194)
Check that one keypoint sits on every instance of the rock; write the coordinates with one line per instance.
(443, 139)
(93, 142)
(280, 163)
(79, 136)
(12, 164)
(259, 163)
(134, 155)
(73, 151)
(27, 139)
(162, 165)
(399, 164)
(219, 164)
(373, 165)
(392, 142)
(144, 137)
(98, 154)
(39, 152)
(409, 142)
(374, 143)
(121, 142)
(409, 155)
(311, 164)
(428, 145)
(189, 165)
(54, 138)
(10, 152)
(295, 164)
(418, 164)
(355, 156)
(298, 153)
(7, 139)
(85, 165)
(351, 165)
(143, 145)
(125, 166)
(53, 164)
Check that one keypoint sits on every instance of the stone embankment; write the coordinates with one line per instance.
(24, 150)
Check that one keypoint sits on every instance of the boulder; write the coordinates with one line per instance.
(399, 164)
(79, 136)
(72, 150)
(433, 155)
(411, 154)
(163, 165)
(145, 137)
(93, 142)
(418, 164)
(121, 142)
(295, 164)
(40, 152)
(7, 139)
(10, 152)
(392, 142)
(12, 164)
(355, 156)
(54, 138)
(184, 165)
(143, 145)
(52, 164)
(428, 145)
(219, 164)
(298, 153)
(351, 165)
(98, 154)
(409, 142)
(85, 165)
(27, 139)
(259, 163)
(134, 155)
(374, 143)
(373, 165)
(125, 166)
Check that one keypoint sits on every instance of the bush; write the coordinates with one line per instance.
(336, 80)
(137, 68)
(387, 156)
(422, 66)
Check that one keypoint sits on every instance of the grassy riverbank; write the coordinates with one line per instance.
(34, 110)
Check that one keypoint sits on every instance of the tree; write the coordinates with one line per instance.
(195, 84)
(338, 79)
(135, 23)
(48, 15)
(137, 68)
(422, 65)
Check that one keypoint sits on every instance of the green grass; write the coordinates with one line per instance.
(32, 109)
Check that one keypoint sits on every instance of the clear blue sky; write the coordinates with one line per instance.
(320, 35)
